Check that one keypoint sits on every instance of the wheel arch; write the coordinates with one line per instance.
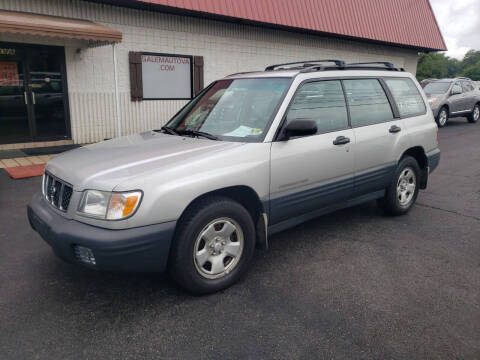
(249, 199)
(418, 153)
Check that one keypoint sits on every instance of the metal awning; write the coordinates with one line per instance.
(54, 26)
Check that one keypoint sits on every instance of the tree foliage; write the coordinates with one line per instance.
(438, 65)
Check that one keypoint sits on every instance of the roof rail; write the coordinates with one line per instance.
(387, 65)
(307, 64)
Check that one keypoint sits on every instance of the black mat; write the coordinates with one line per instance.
(10, 154)
(49, 150)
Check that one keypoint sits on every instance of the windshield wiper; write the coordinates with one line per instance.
(198, 133)
(169, 130)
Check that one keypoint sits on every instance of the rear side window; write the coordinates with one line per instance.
(323, 102)
(467, 86)
(406, 95)
(367, 101)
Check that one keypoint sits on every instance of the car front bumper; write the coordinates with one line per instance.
(141, 249)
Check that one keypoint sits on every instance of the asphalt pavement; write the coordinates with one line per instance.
(354, 284)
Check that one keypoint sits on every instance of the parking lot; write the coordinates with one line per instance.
(354, 284)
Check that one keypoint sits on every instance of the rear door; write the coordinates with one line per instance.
(310, 173)
(378, 133)
(469, 95)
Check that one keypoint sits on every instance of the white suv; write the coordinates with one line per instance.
(253, 154)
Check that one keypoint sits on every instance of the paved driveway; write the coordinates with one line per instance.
(351, 285)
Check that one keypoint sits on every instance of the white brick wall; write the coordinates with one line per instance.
(227, 48)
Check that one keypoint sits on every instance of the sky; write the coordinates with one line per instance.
(459, 22)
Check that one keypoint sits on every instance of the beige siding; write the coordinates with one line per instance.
(227, 48)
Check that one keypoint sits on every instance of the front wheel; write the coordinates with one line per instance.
(475, 115)
(402, 193)
(442, 117)
(213, 246)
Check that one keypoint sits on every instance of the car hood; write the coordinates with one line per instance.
(104, 165)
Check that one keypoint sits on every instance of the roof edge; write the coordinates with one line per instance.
(140, 4)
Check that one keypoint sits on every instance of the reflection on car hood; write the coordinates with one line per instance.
(103, 165)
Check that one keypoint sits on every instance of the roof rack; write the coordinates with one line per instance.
(306, 64)
(368, 66)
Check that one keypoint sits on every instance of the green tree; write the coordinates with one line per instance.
(473, 71)
(438, 65)
(432, 65)
(471, 58)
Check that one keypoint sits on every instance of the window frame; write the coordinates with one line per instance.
(465, 85)
(393, 99)
(268, 126)
(393, 105)
(388, 94)
(284, 117)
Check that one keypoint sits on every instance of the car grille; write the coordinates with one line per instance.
(57, 192)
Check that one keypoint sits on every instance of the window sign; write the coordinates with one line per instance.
(9, 73)
(166, 76)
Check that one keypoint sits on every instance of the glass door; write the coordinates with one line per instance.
(14, 112)
(46, 89)
(33, 96)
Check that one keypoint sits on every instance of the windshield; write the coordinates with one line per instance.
(437, 87)
(233, 110)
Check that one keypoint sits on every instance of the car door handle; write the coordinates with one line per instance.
(341, 140)
(395, 129)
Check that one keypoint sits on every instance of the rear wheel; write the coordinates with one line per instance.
(442, 117)
(403, 190)
(214, 244)
(475, 115)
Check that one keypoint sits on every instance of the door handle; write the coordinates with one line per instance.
(341, 140)
(395, 129)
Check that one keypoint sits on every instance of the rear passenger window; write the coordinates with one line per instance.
(406, 95)
(367, 102)
(467, 86)
(323, 102)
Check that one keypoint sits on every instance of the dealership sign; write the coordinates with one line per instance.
(166, 76)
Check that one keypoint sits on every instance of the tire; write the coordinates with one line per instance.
(475, 115)
(207, 237)
(398, 199)
(442, 117)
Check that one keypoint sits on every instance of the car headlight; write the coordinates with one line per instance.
(432, 101)
(109, 205)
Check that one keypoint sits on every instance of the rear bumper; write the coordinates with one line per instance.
(142, 249)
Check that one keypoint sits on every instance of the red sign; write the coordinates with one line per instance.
(9, 73)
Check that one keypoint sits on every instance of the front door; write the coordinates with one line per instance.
(457, 100)
(315, 172)
(33, 96)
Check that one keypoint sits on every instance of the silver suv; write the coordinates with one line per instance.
(252, 155)
(453, 97)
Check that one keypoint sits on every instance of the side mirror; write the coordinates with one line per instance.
(456, 90)
(299, 127)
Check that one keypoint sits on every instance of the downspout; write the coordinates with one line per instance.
(117, 102)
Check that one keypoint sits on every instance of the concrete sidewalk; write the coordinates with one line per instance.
(25, 161)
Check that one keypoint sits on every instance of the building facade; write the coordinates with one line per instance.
(79, 88)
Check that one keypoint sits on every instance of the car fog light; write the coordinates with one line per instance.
(84, 255)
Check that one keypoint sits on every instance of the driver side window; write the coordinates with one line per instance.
(322, 102)
(457, 88)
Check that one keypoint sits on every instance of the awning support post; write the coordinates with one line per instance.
(117, 101)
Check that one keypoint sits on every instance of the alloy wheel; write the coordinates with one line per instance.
(476, 113)
(406, 186)
(442, 118)
(218, 248)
